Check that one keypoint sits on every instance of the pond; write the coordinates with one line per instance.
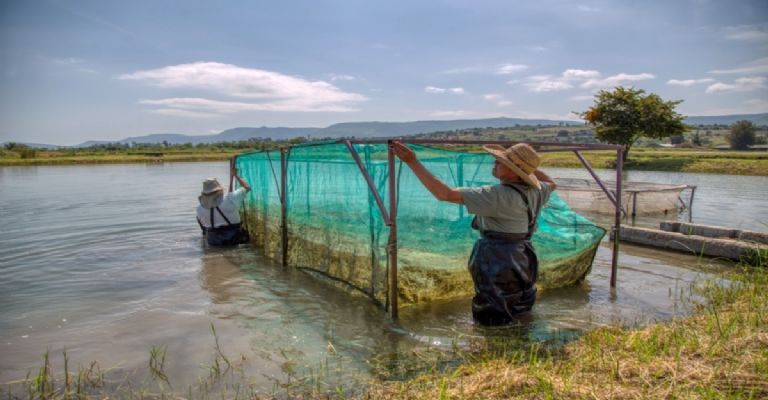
(106, 262)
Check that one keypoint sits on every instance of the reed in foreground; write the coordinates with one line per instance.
(720, 352)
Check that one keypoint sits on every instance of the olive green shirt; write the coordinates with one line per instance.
(501, 209)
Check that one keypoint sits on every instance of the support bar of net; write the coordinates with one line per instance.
(369, 181)
(600, 183)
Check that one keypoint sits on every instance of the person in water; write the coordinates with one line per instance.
(219, 214)
(503, 262)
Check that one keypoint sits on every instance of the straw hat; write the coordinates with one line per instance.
(212, 194)
(521, 158)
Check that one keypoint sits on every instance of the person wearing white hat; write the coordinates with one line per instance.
(503, 263)
(219, 214)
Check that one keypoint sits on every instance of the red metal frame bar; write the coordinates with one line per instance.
(600, 183)
(392, 243)
(369, 181)
(284, 205)
(617, 220)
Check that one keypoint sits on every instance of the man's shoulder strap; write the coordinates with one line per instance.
(531, 213)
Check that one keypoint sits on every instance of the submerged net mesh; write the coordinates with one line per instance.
(335, 227)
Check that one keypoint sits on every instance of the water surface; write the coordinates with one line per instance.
(106, 261)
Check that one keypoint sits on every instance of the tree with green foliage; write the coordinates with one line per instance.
(742, 135)
(624, 115)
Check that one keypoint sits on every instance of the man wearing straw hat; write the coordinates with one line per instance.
(503, 264)
(219, 214)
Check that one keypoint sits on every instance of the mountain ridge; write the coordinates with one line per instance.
(372, 129)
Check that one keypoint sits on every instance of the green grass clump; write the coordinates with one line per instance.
(719, 353)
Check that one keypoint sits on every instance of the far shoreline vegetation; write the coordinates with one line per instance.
(702, 149)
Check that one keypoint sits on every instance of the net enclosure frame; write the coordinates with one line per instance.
(388, 212)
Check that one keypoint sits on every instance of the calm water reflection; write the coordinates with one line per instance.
(107, 261)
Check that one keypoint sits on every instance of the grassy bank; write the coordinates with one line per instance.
(720, 352)
(672, 160)
(646, 159)
(56, 158)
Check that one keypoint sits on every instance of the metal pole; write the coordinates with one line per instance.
(617, 221)
(231, 175)
(634, 205)
(392, 243)
(283, 205)
(369, 181)
(690, 204)
(597, 179)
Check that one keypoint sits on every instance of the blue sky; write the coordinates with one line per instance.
(72, 71)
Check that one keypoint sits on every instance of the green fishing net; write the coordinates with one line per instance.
(336, 230)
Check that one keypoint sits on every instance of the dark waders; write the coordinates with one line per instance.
(504, 269)
(227, 235)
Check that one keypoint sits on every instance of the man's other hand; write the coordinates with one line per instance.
(403, 152)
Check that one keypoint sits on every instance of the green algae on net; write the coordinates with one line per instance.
(335, 228)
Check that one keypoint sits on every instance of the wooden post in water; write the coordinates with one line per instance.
(392, 243)
(617, 221)
(283, 205)
(231, 175)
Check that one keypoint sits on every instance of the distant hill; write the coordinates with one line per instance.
(389, 129)
(347, 129)
(374, 129)
(757, 119)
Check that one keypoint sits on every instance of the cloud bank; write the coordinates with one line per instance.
(262, 90)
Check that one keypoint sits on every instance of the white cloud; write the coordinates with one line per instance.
(230, 107)
(73, 63)
(497, 99)
(688, 82)
(68, 61)
(739, 85)
(615, 80)
(582, 98)
(433, 89)
(752, 106)
(273, 90)
(752, 33)
(336, 77)
(580, 74)
(452, 113)
(508, 69)
(759, 66)
(183, 113)
(549, 83)
(466, 70)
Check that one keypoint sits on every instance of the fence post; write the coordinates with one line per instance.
(283, 206)
(617, 221)
(392, 243)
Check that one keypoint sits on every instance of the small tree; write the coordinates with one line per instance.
(696, 139)
(742, 135)
(624, 115)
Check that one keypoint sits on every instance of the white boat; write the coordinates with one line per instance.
(637, 198)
